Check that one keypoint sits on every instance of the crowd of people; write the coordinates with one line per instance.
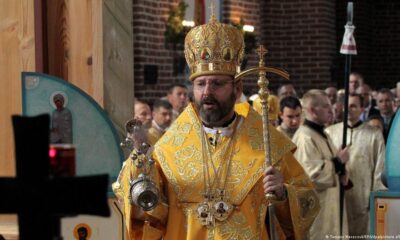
(315, 124)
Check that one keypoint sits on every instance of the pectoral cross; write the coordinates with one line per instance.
(40, 201)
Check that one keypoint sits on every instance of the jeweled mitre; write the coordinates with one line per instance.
(214, 49)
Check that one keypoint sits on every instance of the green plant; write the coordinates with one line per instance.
(175, 32)
(249, 37)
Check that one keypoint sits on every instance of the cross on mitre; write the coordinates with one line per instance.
(212, 8)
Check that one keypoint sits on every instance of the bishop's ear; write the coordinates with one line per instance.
(238, 89)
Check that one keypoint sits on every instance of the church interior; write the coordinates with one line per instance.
(111, 53)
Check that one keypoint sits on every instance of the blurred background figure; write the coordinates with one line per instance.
(273, 108)
(322, 162)
(142, 112)
(290, 114)
(286, 91)
(162, 119)
(369, 106)
(178, 97)
(397, 97)
(355, 81)
(367, 155)
(337, 108)
(376, 121)
(332, 94)
(384, 102)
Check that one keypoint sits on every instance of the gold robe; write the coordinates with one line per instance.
(153, 134)
(288, 133)
(179, 165)
(365, 166)
(314, 153)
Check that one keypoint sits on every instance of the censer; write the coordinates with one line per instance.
(143, 191)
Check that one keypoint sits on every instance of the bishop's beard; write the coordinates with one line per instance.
(222, 109)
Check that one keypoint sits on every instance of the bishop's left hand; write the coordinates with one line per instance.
(273, 182)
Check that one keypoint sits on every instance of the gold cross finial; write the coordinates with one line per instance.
(261, 51)
(212, 10)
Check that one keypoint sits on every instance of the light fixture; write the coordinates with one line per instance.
(248, 28)
(187, 23)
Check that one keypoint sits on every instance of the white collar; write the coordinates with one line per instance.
(225, 131)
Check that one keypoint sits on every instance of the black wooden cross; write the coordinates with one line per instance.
(39, 200)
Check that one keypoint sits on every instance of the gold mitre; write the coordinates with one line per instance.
(214, 49)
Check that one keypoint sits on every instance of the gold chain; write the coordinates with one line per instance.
(209, 187)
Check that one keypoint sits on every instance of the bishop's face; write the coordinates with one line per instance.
(215, 97)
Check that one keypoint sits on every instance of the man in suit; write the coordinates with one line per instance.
(369, 106)
(385, 100)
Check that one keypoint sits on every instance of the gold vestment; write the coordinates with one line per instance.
(179, 172)
(153, 134)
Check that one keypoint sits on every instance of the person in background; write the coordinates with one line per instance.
(323, 163)
(355, 81)
(286, 90)
(337, 108)
(290, 114)
(369, 109)
(385, 105)
(365, 165)
(396, 104)
(273, 108)
(178, 97)
(376, 121)
(142, 112)
(332, 94)
(162, 119)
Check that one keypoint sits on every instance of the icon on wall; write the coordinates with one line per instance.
(82, 231)
(61, 119)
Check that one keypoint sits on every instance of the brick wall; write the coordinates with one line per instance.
(362, 62)
(149, 20)
(385, 70)
(377, 36)
(302, 37)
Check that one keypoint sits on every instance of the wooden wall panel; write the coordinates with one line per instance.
(98, 66)
(17, 53)
(118, 61)
(75, 43)
(81, 44)
(57, 38)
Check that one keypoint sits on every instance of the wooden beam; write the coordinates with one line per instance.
(17, 44)
(75, 43)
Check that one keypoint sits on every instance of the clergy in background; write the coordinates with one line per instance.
(365, 165)
(322, 162)
(162, 119)
(290, 114)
